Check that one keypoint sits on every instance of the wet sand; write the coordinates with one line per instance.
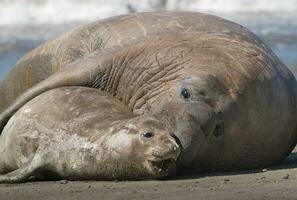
(277, 182)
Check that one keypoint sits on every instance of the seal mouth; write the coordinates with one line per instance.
(163, 167)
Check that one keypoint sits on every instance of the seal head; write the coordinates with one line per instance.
(150, 148)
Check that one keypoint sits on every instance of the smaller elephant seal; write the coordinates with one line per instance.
(79, 133)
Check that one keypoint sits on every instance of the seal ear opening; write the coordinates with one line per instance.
(218, 130)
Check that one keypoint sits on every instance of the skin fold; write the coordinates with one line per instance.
(79, 133)
(220, 89)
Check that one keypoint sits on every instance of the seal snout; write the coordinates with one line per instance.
(164, 156)
(171, 153)
(171, 149)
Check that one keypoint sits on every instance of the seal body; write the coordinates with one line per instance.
(81, 133)
(212, 82)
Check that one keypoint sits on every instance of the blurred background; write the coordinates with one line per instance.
(24, 24)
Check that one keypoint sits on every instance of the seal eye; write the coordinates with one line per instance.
(185, 93)
(148, 135)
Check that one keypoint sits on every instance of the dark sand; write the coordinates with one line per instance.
(278, 182)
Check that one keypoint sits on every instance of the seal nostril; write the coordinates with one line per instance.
(218, 131)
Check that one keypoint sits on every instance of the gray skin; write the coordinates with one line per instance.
(220, 89)
(79, 133)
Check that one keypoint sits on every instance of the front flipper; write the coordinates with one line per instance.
(23, 173)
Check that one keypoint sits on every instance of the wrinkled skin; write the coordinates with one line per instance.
(220, 89)
(79, 133)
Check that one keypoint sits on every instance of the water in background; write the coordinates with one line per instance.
(24, 24)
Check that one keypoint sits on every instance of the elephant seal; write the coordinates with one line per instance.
(216, 85)
(79, 133)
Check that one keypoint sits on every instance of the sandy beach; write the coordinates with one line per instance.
(277, 182)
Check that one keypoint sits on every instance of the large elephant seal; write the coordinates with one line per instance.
(79, 133)
(225, 94)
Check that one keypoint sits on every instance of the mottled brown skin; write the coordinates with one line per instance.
(221, 90)
(80, 133)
